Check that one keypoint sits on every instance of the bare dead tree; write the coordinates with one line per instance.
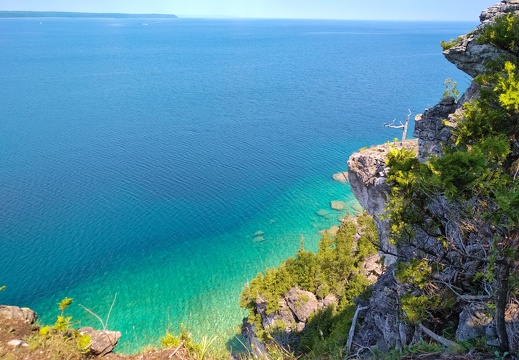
(402, 126)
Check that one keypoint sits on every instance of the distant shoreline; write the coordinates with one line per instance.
(60, 14)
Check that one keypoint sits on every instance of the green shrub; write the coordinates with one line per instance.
(503, 33)
(446, 45)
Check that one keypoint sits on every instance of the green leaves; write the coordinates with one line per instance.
(503, 34)
(416, 273)
(508, 88)
(451, 89)
(63, 304)
(458, 173)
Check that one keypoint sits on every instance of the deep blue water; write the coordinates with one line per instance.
(139, 160)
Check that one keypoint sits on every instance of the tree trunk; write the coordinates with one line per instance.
(502, 287)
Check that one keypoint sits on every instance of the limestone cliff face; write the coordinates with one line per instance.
(367, 177)
(471, 57)
(381, 322)
(434, 127)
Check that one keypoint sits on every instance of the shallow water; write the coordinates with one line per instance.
(141, 160)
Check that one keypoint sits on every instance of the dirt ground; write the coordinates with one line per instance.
(11, 329)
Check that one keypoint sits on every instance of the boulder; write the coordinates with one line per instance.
(372, 268)
(329, 299)
(102, 342)
(302, 303)
(16, 313)
(283, 315)
(474, 320)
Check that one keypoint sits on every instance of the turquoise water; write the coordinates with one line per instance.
(140, 160)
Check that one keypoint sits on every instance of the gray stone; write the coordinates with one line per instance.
(300, 327)
(381, 323)
(256, 346)
(471, 57)
(102, 342)
(17, 343)
(367, 176)
(16, 313)
(330, 299)
(302, 303)
(474, 320)
(283, 315)
(372, 268)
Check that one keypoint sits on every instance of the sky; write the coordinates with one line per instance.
(463, 10)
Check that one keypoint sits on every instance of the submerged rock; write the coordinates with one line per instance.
(323, 212)
(332, 231)
(341, 177)
(338, 205)
(259, 239)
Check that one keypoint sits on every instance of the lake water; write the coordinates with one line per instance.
(141, 157)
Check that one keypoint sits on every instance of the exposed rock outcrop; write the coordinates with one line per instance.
(294, 309)
(367, 177)
(16, 313)
(102, 342)
(248, 331)
(470, 56)
(432, 128)
(382, 325)
(302, 303)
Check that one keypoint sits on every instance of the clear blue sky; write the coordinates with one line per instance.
(318, 9)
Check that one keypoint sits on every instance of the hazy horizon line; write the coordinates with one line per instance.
(208, 17)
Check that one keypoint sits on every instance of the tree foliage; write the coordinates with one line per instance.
(334, 269)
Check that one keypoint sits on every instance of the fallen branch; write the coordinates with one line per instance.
(438, 338)
(178, 348)
(353, 324)
(401, 126)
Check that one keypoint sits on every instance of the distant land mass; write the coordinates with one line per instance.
(60, 14)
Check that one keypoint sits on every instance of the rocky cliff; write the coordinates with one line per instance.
(381, 321)
(468, 54)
